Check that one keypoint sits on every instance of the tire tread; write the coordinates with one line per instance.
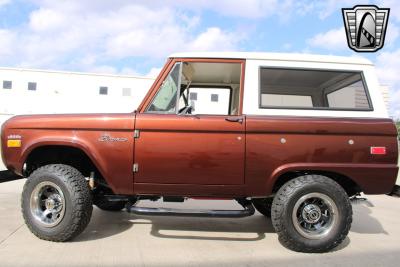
(279, 209)
(81, 200)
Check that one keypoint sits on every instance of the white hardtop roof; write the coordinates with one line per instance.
(276, 56)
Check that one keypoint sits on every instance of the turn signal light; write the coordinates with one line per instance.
(378, 150)
(14, 143)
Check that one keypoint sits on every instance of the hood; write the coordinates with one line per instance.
(72, 121)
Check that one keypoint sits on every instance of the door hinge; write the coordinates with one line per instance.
(135, 167)
(136, 134)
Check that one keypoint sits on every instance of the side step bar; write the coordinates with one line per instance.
(246, 204)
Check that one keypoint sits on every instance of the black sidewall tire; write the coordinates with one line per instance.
(285, 203)
(63, 230)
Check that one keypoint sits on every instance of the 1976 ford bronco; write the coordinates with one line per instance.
(294, 137)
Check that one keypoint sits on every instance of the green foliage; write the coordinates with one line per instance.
(398, 127)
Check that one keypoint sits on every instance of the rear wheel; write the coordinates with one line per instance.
(311, 213)
(56, 202)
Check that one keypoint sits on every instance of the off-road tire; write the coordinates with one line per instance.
(78, 202)
(283, 205)
(263, 205)
(107, 205)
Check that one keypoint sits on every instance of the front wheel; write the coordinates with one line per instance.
(311, 213)
(56, 202)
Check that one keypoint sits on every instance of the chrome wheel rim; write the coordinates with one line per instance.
(47, 204)
(315, 215)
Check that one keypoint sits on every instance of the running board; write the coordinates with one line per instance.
(246, 204)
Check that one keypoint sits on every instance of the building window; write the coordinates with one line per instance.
(313, 89)
(103, 90)
(126, 91)
(214, 98)
(7, 84)
(31, 86)
(193, 96)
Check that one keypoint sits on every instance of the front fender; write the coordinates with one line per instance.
(62, 141)
(112, 159)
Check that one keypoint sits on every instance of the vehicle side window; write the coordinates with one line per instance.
(313, 89)
(351, 96)
(210, 88)
(207, 88)
(287, 100)
(209, 100)
(165, 100)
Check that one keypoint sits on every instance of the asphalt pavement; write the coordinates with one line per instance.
(122, 239)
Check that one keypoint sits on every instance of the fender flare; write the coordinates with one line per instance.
(337, 168)
(67, 142)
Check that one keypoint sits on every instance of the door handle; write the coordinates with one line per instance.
(233, 119)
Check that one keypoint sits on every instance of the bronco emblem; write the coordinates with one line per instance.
(107, 138)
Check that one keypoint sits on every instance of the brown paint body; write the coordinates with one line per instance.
(207, 155)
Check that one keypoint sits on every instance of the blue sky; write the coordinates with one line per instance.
(135, 37)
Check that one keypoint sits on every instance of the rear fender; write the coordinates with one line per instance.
(371, 178)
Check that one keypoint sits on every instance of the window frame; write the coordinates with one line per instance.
(170, 64)
(260, 106)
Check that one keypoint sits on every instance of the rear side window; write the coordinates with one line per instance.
(313, 89)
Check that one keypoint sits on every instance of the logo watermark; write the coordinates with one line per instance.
(365, 27)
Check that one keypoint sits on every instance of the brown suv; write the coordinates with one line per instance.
(292, 136)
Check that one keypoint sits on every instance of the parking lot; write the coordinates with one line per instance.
(121, 239)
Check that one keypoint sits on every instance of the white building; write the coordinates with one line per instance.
(28, 91)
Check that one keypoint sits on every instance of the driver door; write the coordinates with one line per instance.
(176, 148)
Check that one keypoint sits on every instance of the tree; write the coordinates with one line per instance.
(398, 127)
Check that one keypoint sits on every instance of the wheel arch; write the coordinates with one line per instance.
(73, 154)
(286, 174)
